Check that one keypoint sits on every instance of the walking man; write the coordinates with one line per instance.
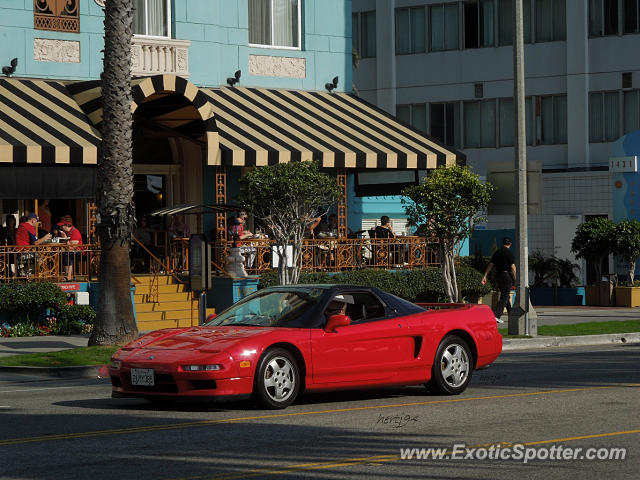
(505, 266)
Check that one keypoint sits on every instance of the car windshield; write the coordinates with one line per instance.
(269, 309)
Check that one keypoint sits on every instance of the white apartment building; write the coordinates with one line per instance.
(445, 67)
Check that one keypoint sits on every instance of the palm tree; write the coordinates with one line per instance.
(115, 324)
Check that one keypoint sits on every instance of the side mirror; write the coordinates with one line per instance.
(336, 321)
(210, 317)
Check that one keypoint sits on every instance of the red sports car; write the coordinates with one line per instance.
(282, 340)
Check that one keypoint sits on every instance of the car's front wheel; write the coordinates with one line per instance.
(452, 367)
(277, 380)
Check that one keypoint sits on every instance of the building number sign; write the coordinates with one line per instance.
(623, 164)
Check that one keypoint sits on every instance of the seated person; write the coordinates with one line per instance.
(178, 228)
(26, 232)
(236, 231)
(385, 230)
(338, 305)
(75, 238)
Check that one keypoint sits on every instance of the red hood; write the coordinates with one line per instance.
(201, 338)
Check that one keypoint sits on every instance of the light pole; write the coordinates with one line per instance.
(521, 322)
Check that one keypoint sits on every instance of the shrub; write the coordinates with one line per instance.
(424, 285)
(27, 301)
(72, 319)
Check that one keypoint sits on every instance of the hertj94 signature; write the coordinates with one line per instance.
(397, 421)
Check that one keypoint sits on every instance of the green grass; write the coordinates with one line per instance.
(588, 328)
(65, 358)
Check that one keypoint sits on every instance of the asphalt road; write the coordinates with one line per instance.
(575, 398)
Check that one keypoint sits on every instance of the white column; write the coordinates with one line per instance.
(385, 55)
(577, 83)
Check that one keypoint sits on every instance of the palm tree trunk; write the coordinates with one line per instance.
(115, 323)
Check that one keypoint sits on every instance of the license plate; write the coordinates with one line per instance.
(142, 376)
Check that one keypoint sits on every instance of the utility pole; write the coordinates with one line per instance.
(521, 322)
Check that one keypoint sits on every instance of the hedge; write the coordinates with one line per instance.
(414, 285)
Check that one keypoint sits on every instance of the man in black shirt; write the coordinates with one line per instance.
(505, 276)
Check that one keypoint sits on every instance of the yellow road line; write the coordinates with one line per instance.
(348, 462)
(203, 423)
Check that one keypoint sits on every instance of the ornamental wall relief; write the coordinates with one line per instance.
(49, 50)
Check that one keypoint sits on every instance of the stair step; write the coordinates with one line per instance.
(147, 279)
(167, 315)
(164, 306)
(139, 298)
(147, 325)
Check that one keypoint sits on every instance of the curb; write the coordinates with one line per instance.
(87, 371)
(510, 344)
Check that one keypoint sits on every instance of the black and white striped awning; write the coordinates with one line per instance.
(259, 126)
(165, 101)
(40, 123)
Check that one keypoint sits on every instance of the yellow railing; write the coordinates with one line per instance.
(49, 262)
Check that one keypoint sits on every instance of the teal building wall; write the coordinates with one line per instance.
(218, 31)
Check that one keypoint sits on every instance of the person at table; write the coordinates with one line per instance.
(385, 230)
(8, 232)
(26, 232)
(237, 231)
(70, 257)
(178, 228)
(329, 227)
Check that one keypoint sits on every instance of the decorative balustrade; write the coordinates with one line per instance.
(156, 56)
(49, 262)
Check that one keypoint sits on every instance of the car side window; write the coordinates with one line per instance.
(366, 307)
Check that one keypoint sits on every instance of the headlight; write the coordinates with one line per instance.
(201, 368)
(116, 364)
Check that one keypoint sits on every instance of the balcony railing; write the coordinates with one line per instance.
(49, 262)
(156, 56)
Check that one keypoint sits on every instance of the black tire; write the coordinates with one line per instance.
(277, 380)
(452, 367)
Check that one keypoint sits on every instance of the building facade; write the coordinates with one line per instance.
(219, 86)
(446, 69)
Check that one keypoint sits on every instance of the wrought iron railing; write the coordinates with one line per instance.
(49, 262)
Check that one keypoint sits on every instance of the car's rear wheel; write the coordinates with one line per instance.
(277, 380)
(452, 367)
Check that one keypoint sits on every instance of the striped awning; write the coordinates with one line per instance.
(196, 209)
(165, 101)
(259, 126)
(41, 123)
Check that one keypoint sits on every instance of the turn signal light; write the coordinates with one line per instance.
(201, 368)
(116, 364)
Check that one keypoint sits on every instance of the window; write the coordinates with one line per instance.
(414, 115)
(151, 17)
(603, 117)
(551, 119)
(478, 24)
(410, 33)
(551, 20)
(363, 33)
(507, 122)
(57, 16)
(444, 122)
(631, 106)
(603, 17)
(630, 13)
(275, 23)
(384, 182)
(480, 124)
(443, 27)
(505, 21)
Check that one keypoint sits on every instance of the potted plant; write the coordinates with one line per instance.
(593, 242)
(561, 275)
(626, 244)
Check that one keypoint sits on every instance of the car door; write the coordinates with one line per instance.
(370, 350)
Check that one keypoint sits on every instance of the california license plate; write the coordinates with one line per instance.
(142, 377)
